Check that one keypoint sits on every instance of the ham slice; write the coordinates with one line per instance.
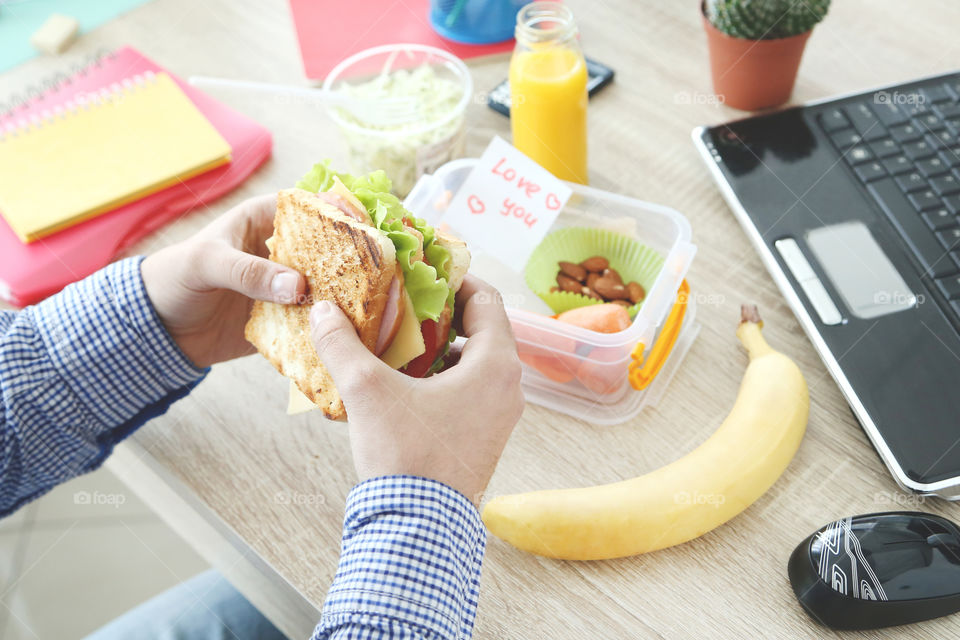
(347, 207)
(392, 315)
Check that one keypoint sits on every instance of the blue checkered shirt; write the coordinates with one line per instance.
(85, 368)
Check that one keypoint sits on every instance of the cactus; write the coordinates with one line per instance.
(765, 19)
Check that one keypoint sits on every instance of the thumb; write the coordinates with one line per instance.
(339, 347)
(253, 276)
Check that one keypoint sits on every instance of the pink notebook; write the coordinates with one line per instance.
(31, 272)
(328, 32)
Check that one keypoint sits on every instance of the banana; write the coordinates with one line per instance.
(684, 499)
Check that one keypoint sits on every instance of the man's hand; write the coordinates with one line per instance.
(202, 287)
(451, 427)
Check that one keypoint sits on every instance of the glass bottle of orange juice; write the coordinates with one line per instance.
(548, 91)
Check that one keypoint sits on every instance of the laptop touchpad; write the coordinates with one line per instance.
(859, 269)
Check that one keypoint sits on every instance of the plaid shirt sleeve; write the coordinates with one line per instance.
(78, 373)
(409, 564)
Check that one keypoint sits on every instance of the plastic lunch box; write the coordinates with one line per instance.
(601, 378)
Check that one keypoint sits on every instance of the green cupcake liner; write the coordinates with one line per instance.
(633, 260)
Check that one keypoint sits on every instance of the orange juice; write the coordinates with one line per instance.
(548, 93)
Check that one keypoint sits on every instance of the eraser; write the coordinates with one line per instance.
(56, 34)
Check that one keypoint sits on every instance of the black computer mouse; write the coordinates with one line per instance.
(878, 570)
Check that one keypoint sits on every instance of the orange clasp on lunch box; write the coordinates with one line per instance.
(641, 373)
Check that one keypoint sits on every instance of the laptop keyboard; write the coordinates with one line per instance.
(904, 147)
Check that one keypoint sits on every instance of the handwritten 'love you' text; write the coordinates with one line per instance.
(528, 186)
(506, 204)
(511, 207)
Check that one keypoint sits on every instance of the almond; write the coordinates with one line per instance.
(636, 292)
(610, 289)
(555, 289)
(575, 271)
(622, 303)
(590, 293)
(592, 279)
(568, 284)
(612, 273)
(596, 264)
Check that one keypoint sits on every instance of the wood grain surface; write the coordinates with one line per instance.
(274, 486)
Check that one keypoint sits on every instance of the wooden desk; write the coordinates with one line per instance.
(261, 495)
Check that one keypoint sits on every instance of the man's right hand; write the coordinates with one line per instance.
(450, 427)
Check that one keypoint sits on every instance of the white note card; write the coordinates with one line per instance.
(506, 205)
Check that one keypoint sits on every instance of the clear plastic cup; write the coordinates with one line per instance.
(439, 86)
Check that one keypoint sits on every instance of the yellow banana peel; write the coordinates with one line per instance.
(684, 499)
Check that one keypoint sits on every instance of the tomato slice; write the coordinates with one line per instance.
(435, 336)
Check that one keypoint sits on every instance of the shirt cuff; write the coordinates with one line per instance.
(106, 341)
(411, 556)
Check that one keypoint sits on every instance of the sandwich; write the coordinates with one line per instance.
(393, 275)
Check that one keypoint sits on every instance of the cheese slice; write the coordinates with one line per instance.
(298, 402)
(407, 345)
(341, 190)
(409, 341)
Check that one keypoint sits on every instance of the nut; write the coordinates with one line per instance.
(568, 284)
(575, 271)
(636, 292)
(592, 279)
(555, 289)
(596, 264)
(612, 273)
(590, 293)
(622, 303)
(610, 289)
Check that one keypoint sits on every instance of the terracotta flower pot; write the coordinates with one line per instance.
(753, 74)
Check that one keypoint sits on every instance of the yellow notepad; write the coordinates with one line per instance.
(129, 141)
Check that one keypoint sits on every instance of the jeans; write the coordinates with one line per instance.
(205, 607)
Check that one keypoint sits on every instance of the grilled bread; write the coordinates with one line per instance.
(344, 261)
(459, 258)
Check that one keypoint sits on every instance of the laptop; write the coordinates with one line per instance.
(854, 206)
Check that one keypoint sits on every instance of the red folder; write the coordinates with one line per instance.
(31, 272)
(328, 31)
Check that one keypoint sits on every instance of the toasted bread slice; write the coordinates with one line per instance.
(344, 261)
(459, 258)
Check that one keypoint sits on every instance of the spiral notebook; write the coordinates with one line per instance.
(30, 272)
(101, 150)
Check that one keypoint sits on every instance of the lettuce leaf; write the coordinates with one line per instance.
(426, 284)
(437, 365)
(429, 295)
(319, 178)
(439, 257)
